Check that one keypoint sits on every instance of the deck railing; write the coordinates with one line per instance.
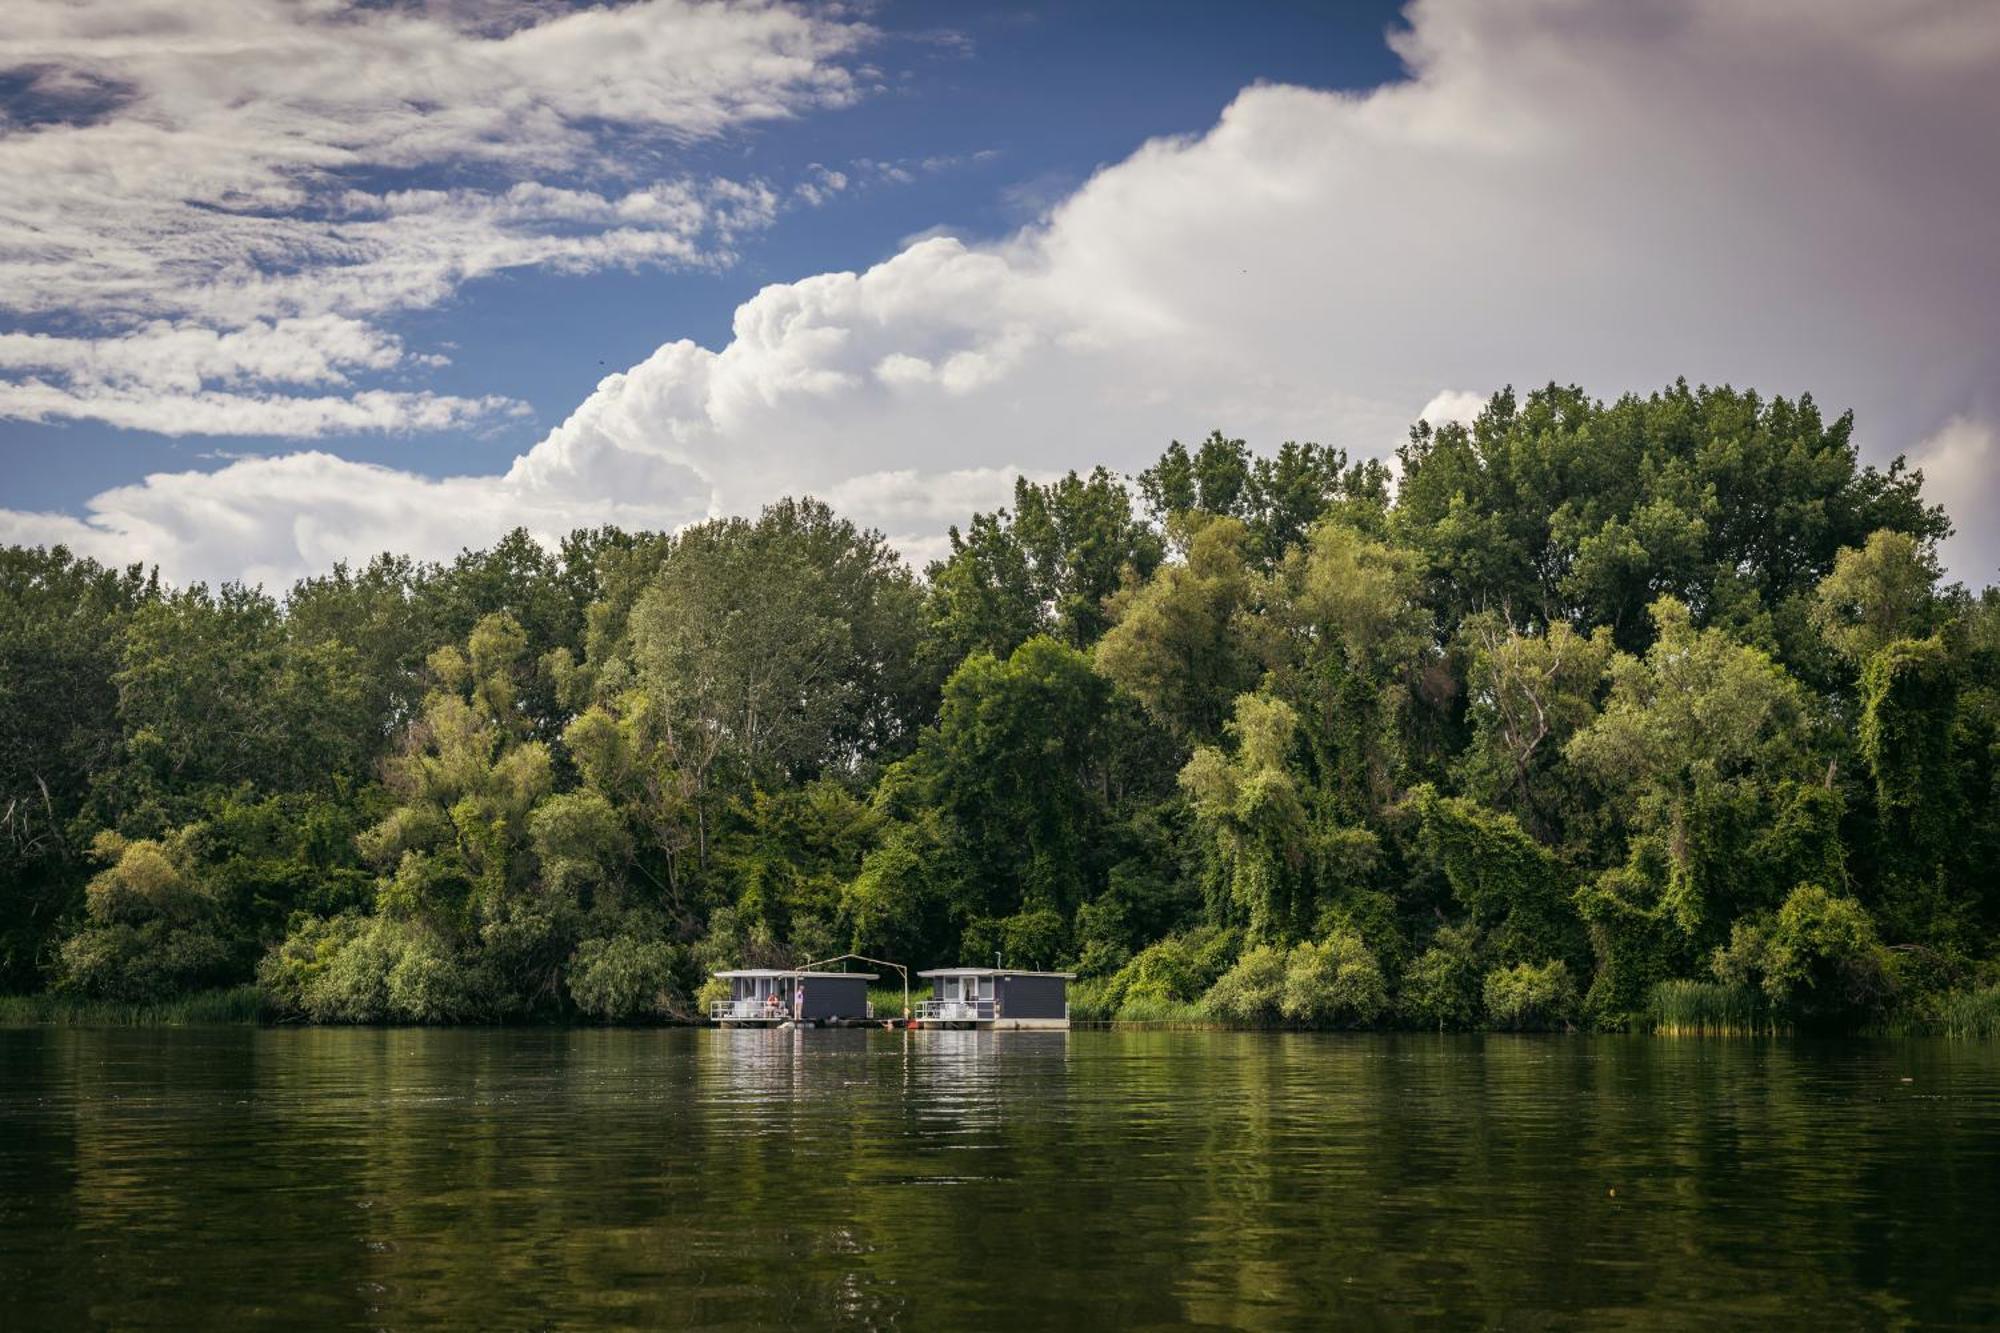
(741, 1010)
(955, 1011)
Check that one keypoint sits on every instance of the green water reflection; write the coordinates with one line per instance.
(934, 1180)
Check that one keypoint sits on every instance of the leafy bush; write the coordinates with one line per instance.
(153, 930)
(1178, 969)
(337, 973)
(1818, 961)
(1441, 987)
(1526, 998)
(427, 984)
(625, 977)
(1090, 1000)
(1252, 991)
(144, 963)
(1510, 884)
(713, 989)
(1634, 938)
(1334, 983)
(352, 969)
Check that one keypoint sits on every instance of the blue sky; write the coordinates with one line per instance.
(285, 284)
(988, 114)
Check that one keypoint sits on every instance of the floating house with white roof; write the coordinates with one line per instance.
(995, 997)
(769, 996)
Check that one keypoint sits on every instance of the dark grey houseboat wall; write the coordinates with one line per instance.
(834, 997)
(1033, 997)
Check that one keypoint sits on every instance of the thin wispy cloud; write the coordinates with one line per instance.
(198, 179)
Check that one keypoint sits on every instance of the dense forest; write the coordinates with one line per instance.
(1650, 712)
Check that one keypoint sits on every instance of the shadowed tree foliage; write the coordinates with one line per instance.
(62, 630)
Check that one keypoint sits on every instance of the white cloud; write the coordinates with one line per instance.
(164, 354)
(1795, 198)
(1460, 405)
(267, 520)
(181, 378)
(821, 185)
(1961, 466)
(916, 509)
(220, 164)
(208, 412)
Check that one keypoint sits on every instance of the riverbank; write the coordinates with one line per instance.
(1676, 1009)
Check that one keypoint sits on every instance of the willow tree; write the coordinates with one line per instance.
(1348, 638)
(1250, 802)
(1704, 746)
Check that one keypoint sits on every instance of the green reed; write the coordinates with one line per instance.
(1707, 1008)
(887, 998)
(237, 1004)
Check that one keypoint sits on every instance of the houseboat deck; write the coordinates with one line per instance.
(768, 997)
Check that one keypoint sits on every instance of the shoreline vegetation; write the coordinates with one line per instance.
(1675, 1009)
(1650, 715)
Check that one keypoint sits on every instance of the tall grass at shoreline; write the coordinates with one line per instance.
(1164, 1013)
(238, 1004)
(1709, 1009)
(1972, 1014)
(887, 1000)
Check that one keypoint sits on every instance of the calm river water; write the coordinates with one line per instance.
(948, 1181)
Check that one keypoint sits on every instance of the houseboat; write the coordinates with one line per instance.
(995, 997)
(767, 997)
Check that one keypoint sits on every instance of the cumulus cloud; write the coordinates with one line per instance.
(266, 520)
(916, 509)
(1961, 466)
(226, 165)
(1460, 405)
(1791, 196)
